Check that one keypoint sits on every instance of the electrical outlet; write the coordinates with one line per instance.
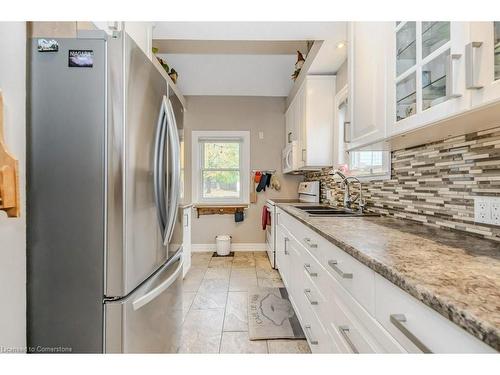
(482, 213)
(495, 211)
(487, 210)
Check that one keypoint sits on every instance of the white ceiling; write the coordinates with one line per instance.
(259, 73)
(248, 30)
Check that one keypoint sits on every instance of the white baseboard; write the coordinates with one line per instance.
(200, 247)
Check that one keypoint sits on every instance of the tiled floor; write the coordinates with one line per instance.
(215, 305)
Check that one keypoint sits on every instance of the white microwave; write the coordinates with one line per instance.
(290, 158)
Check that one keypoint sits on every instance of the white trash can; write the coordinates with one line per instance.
(223, 243)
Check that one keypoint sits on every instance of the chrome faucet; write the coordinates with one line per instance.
(346, 181)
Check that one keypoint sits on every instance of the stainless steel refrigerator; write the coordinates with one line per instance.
(104, 248)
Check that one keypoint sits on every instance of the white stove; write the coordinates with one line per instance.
(308, 193)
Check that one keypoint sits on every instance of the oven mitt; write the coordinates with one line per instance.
(268, 179)
(262, 183)
(257, 177)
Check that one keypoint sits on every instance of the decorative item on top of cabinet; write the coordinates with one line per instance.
(9, 175)
(426, 73)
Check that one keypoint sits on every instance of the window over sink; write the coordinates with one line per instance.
(221, 167)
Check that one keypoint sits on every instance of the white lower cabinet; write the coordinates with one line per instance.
(350, 308)
(417, 327)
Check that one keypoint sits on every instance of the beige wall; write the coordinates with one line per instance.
(13, 230)
(255, 114)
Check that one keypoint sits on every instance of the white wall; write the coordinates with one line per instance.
(13, 230)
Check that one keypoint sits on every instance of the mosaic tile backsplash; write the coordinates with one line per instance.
(434, 183)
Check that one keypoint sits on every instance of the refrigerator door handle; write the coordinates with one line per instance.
(159, 168)
(151, 295)
(174, 151)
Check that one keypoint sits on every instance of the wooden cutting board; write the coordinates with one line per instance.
(9, 175)
(253, 192)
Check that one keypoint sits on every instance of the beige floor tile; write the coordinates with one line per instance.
(238, 342)
(267, 273)
(193, 279)
(217, 273)
(270, 283)
(201, 331)
(242, 284)
(214, 285)
(220, 263)
(209, 300)
(243, 254)
(260, 254)
(243, 272)
(263, 263)
(187, 301)
(288, 346)
(236, 317)
(243, 262)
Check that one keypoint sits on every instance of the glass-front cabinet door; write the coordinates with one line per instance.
(483, 62)
(428, 71)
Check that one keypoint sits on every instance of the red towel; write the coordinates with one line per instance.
(266, 217)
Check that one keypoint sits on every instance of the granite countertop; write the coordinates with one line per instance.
(454, 273)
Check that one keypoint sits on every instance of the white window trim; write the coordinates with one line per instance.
(196, 160)
(362, 176)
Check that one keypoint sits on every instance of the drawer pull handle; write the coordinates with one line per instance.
(307, 293)
(310, 244)
(308, 332)
(286, 247)
(344, 275)
(398, 320)
(344, 331)
(307, 267)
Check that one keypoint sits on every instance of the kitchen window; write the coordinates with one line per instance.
(221, 167)
(370, 165)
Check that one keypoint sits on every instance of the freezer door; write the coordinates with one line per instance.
(135, 95)
(150, 318)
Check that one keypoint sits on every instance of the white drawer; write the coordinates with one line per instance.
(317, 336)
(354, 276)
(417, 327)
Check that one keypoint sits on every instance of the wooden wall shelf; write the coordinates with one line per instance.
(10, 200)
(219, 209)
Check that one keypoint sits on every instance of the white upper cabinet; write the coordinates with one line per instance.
(367, 82)
(428, 73)
(309, 122)
(483, 62)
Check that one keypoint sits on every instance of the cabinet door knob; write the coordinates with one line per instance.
(344, 331)
(309, 335)
(307, 267)
(398, 321)
(307, 293)
(310, 244)
(344, 275)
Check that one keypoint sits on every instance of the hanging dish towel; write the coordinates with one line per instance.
(266, 218)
